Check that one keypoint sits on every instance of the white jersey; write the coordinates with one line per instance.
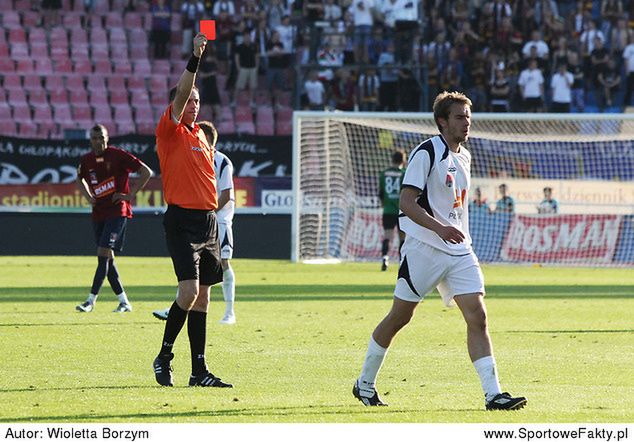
(224, 180)
(443, 178)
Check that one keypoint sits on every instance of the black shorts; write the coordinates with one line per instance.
(110, 233)
(390, 221)
(192, 241)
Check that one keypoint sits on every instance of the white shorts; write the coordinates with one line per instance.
(424, 268)
(225, 237)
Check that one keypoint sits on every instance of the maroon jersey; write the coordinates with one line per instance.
(106, 175)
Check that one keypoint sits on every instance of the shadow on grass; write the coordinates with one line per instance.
(550, 332)
(308, 292)
(317, 410)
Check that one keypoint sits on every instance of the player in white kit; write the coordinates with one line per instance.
(437, 252)
(224, 215)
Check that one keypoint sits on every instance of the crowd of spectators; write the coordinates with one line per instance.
(389, 55)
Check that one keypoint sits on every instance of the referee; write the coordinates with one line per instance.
(191, 230)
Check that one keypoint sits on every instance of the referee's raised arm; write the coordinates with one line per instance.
(186, 82)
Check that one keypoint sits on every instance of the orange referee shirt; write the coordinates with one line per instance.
(187, 165)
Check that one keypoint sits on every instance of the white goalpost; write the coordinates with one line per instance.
(586, 159)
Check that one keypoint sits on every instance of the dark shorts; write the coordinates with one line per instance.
(390, 221)
(110, 233)
(192, 241)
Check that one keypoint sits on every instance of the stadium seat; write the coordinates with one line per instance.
(122, 113)
(58, 36)
(74, 82)
(27, 129)
(79, 52)
(39, 51)
(6, 64)
(5, 111)
(44, 66)
(42, 114)
(122, 67)
(103, 113)
(30, 19)
(138, 37)
(16, 97)
(19, 50)
(54, 83)
(45, 129)
(115, 82)
(142, 67)
(137, 83)
(245, 128)
(99, 97)
(283, 127)
(61, 114)
(145, 128)
(119, 97)
(117, 34)
(99, 52)
(24, 66)
(21, 112)
(12, 81)
(58, 52)
(96, 82)
(82, 65)
(81, 111)
(133, 20)
(98, 35)
(16, 35)
(139, 53)
(267, 128)
(103, 66)
(125, 127)
(37, 97)
(58, 96)
(32, 81)
(244, 114)
(226, 127)
(113, 20)
(119, 53)
(72, 20)
(11, 19)
(62, 65)
(78, 97)
(161, 67)
(7, 128)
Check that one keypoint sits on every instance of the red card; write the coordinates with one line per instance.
(208, 27)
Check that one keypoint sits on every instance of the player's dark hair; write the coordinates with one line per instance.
(398, 157)
(443, 103)
(173, 92)
(99, 128)
(210, 131)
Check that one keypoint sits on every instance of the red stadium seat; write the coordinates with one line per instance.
(21, 112)
(103, 113)
(99, 52)
(12, 81)
(119, 53)
(30, 19)
(133, 20)
(37, 97)
(122, 113)
(79, 97)
(81, 112)
(27, 129)
(6, 65)
(32, 81)
(99, 98)
(16, 97)
(82, 65)
(114, 20)
(125, 127)
(8, 128)
(72, 20)
(16, 35)
(4, 50)
(146, 128)
(136, 83)
(61, 114)
(58, 96)
(96, 82)
(161, 67)
(19, 50)
(58, 36)
(122, 67)
(115, 82)
(245, 127)
(244, 114)
(103, 67)
(42, 114)
(139, 53)
(54, 83)
(5, 111)
(62, 65)
(39, 51)
(78, 35)
(74, 82)
(284, 127)
(44, 66)
(119, 97)
(79, 52)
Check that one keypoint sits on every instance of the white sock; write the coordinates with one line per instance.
(371, 366)
(229, 290)
(92, 298)
(123, 299)
(488, 376)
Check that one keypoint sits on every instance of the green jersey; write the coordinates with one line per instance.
(390, 189)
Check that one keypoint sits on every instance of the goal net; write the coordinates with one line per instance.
(586, 160)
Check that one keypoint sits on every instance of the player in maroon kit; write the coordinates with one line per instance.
(103, 179)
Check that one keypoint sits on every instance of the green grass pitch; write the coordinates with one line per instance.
(563, 337)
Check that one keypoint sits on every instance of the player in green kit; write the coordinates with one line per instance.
(389, 193)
